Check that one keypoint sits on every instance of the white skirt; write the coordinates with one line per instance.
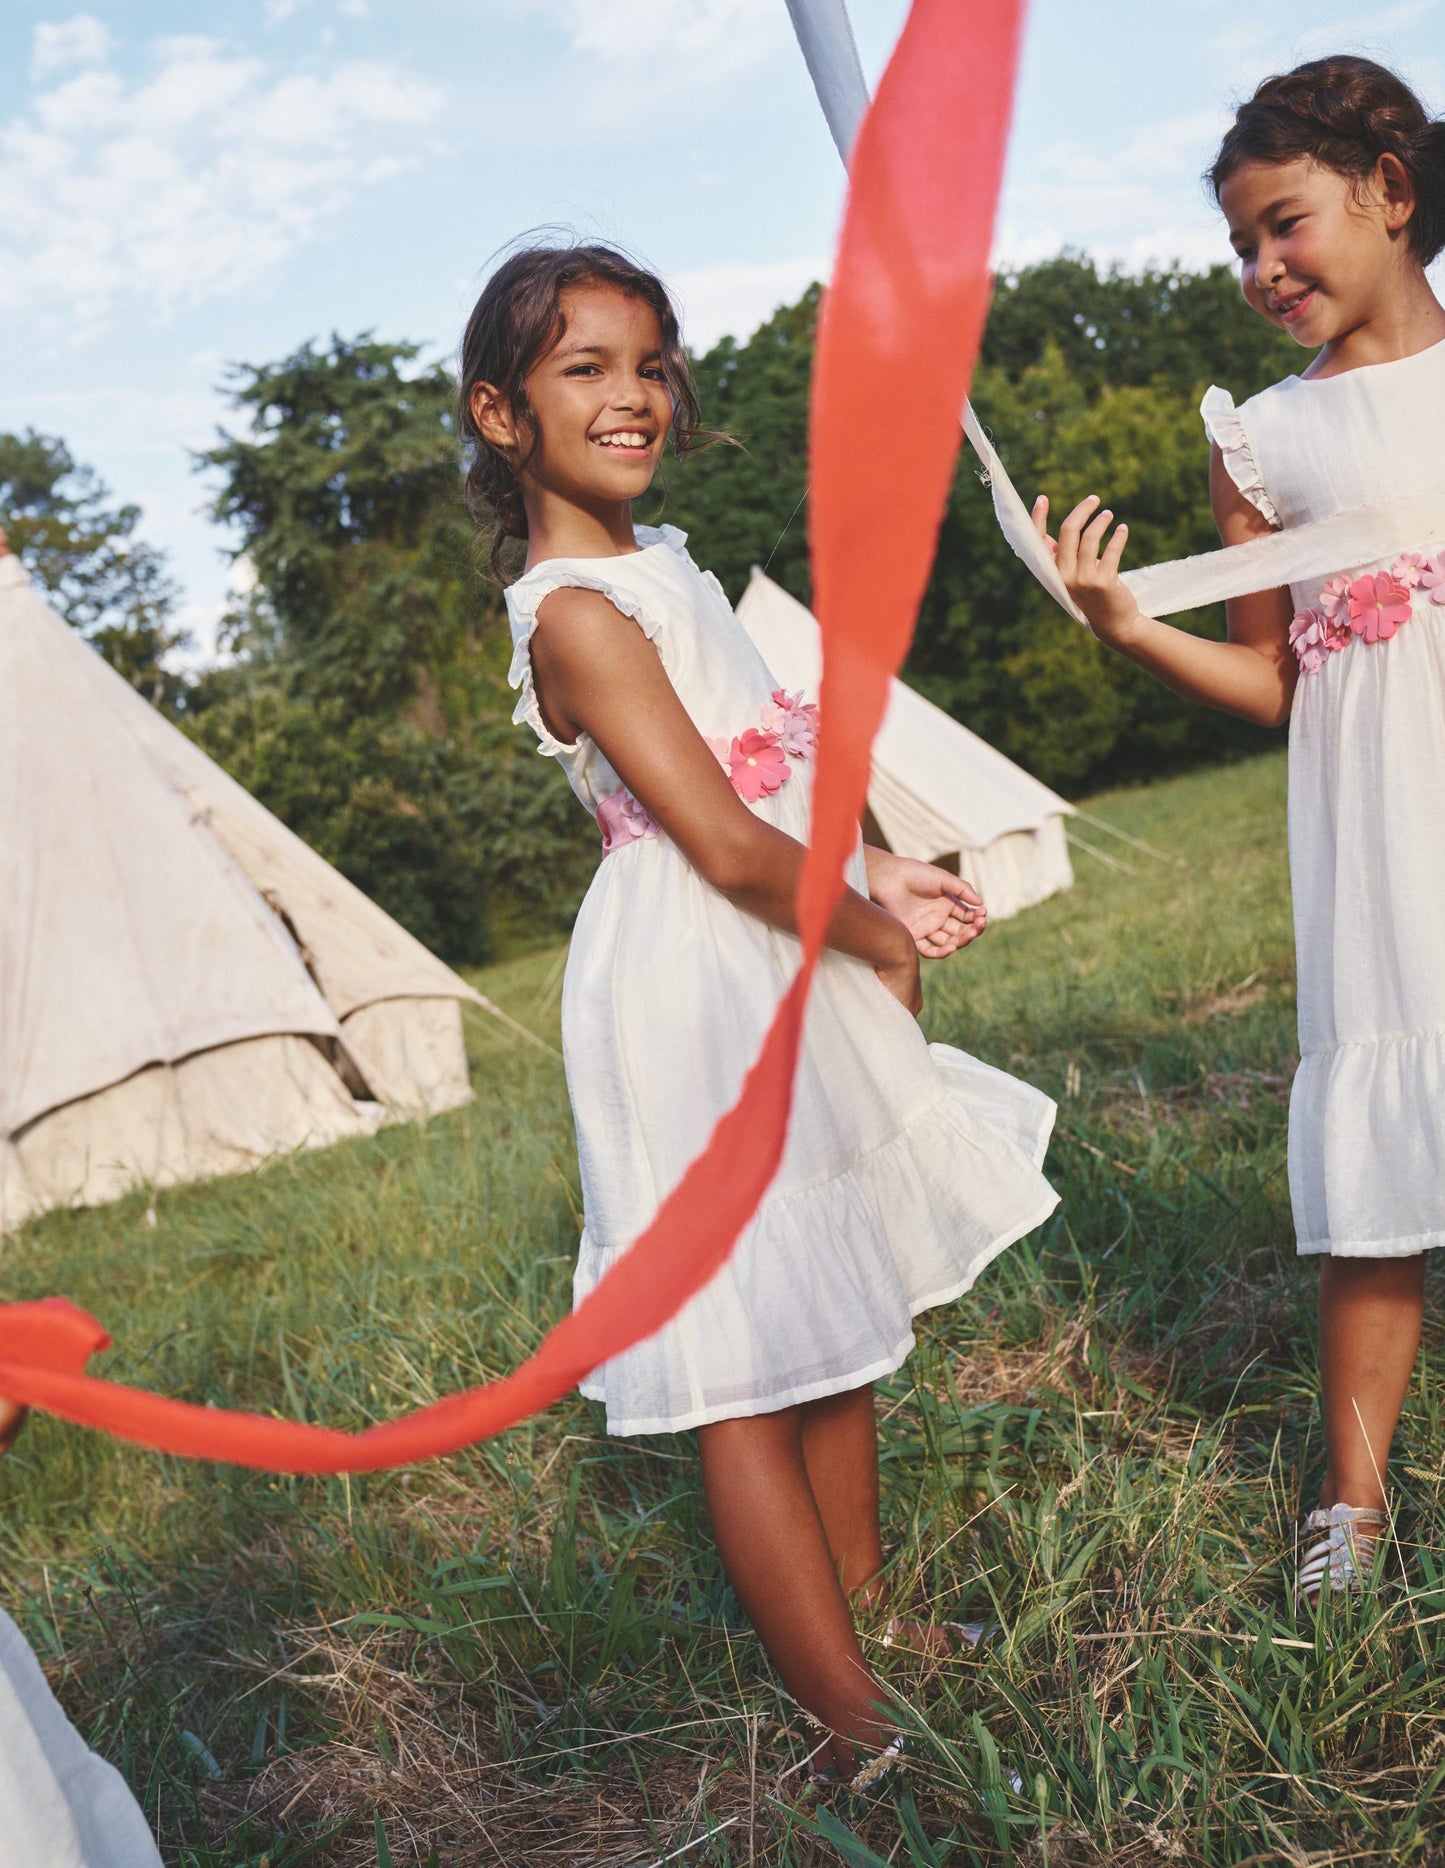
(908, 1166)
(1367, 867)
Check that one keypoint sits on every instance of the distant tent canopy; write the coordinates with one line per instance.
(185, 988)
(938, 792)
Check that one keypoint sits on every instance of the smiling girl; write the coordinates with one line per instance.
(908, 1166)
(1332, 180)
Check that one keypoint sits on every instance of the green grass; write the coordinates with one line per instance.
(527, 1654)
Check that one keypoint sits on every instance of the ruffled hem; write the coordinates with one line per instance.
(525, 597)
(1227, 432)
(821, 1290)
(1367, 1148)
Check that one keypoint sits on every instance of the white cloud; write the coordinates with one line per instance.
(195, 178)
(74, 42)
(661, 51)
(734, 299)
(623, 30)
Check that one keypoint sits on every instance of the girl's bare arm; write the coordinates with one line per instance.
(1252, 674)
(597, 673)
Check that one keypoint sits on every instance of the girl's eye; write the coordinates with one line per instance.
(1290, 220)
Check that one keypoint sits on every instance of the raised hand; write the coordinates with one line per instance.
(1090, 568)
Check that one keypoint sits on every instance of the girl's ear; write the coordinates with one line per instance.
(493, 416)
(1395, 192)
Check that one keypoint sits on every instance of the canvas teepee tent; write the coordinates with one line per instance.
(185, 988)
(938, 791)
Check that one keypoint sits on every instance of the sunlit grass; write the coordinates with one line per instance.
(527, 1654)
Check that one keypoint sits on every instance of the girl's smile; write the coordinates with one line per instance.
(600, 400)
(1318, 256)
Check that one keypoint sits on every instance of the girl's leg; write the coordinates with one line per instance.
(840, 1451)
(775, 1551)
(1370, 1315)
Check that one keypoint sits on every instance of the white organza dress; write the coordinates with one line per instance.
(908, 1166)
(1366, 803)
(61, 1806)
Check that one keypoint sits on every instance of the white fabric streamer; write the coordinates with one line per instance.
(1318, 550)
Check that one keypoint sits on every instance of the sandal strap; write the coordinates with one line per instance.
(1351, 1533)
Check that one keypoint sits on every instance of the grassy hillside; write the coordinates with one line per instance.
(527, 1655)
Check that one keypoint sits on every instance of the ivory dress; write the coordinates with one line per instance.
(908, 1166)
(1366, 802)
(61, 1806)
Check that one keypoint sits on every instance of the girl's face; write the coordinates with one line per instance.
(602, 408)
(1317, 256)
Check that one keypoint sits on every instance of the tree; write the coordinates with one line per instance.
(82, 551)
(345, 489)
(368, 705)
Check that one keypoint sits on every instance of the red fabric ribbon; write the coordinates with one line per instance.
(899, 333)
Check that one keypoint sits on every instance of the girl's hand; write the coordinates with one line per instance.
(940, 912)
(1091, 575)
(902, 976)
(12, 1419)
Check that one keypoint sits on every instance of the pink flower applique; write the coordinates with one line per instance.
(1407, 568)
(1335, 596)
(1313, 636)
(721, 750)
(794, 722)
(1378, 606)
(1432, 577)
(757, 765)
(623, 819)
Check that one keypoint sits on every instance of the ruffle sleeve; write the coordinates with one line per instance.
(524, 599)
(1228, 433)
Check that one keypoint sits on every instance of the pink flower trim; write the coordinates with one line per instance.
(757, 765)
(624, 819)
(795, 723)
(1432, 577)
(1335, 596)
(1378, 606)
(1313, 635)
(1371, 607)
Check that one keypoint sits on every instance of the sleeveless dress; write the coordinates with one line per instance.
(907, 1166)
(1366, 802)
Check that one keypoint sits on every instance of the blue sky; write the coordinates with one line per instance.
(183, 187)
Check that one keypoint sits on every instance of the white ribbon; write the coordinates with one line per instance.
(1321, 549)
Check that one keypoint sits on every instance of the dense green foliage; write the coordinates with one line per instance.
(528, 1655)
(107, 583)
(369, 707)
(1087, 383)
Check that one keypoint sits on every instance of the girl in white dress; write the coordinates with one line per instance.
(1332, 179)
(908, 1166)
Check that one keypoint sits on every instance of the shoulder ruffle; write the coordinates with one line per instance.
(525, 597)
(1227, 432)
(668, 535)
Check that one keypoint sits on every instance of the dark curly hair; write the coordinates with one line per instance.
(1344, 113)
(514, 324)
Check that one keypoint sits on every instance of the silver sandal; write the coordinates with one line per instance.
(1344, 1556)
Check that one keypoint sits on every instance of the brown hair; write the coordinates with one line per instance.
(514, 324)
(1344, 113)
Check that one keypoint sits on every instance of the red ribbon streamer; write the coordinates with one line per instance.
(900, 330)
